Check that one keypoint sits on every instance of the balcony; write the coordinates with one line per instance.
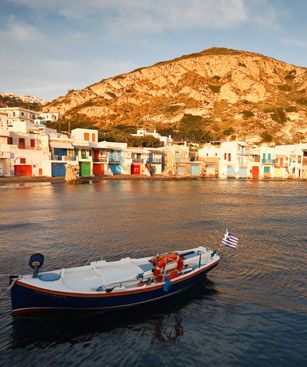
(154, 161)
(114, 160)
(268, 161)
(100, 160)
(62, 158)
(4, 155)
(137, 160)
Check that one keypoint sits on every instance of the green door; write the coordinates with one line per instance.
(85, 169)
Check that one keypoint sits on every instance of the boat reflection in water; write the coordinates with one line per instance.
(161, 319)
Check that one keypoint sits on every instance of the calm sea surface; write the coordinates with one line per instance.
(250, 311)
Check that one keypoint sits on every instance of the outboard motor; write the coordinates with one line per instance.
(36, 262)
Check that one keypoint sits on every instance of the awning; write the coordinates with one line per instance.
(59, 144)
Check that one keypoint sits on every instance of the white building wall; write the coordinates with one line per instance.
(38, 157)
(81, 135)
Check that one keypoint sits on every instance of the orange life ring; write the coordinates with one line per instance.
(160, 262)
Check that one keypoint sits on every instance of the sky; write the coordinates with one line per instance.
(48, 47)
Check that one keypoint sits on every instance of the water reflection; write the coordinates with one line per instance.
(257, 301)
(162, 320)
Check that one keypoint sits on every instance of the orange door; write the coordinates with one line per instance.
(255, 172)
(98, 169)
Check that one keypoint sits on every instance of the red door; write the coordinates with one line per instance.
(255, 172)
(135, 169)
(98, 169)
(23, 170)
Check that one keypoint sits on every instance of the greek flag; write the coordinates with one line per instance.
(230, 240)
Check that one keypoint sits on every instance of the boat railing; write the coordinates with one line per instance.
(134, 253)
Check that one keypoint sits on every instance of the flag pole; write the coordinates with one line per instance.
(219, 248)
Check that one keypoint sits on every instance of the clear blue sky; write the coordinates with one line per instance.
(50, 46)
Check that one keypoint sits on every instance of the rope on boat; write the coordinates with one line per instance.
(9, 288)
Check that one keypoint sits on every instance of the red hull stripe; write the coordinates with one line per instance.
(111, 294)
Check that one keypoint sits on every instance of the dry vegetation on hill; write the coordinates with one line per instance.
(215, 94)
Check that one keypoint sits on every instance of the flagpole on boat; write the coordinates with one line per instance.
(228, 240)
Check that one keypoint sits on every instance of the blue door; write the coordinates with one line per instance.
(115, 168)
(58, 170)
(195, 170)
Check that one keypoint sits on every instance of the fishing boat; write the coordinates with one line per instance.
(109, 285)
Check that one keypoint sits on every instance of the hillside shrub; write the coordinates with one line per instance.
(266, 137)
(111, 94)
(228, 132)
(277, 114)
(291, 109)
(290, 75)
(247, 114)
(302, 101)
(172, 108)
(284, 87)
(214, 87)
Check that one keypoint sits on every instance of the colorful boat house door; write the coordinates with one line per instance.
(85, 169)
(255, 172)
(58, 170)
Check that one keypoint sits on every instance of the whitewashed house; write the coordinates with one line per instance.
(165, 140)
(231, 157)
(5, 154)
(297, 159)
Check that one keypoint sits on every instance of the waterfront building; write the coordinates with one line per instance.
(29, 154)
(109, 158)
(83, 142)
(254, 162)
(62, 151)
(177, 160)
(5, 154)
(155, 161)
(268, 157)
(297, 159)
(137, 159)
(208, 155)
(228, 159)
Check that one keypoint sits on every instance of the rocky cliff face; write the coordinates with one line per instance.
(228, 94)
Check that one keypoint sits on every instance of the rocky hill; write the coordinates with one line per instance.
(215, 94)
(14, 100)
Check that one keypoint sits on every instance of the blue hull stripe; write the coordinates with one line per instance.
(26, 300)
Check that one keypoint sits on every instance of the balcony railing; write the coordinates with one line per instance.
(137, 160)
(154, 161)
(55, 157)
(268, 161)
(100, 160)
